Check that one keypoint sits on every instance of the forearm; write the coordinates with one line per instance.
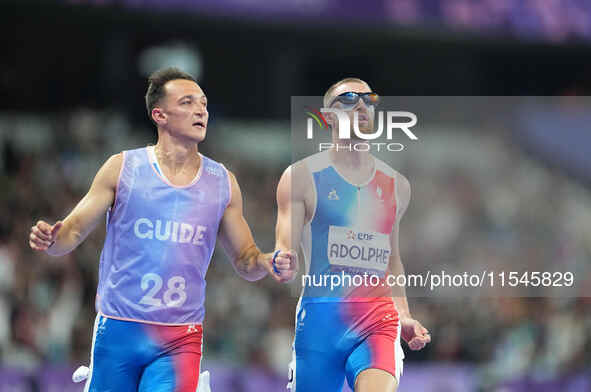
(402, 307)
(250, 263)
(399, 292)
(281, 244)
(63, 237)
(67, 240)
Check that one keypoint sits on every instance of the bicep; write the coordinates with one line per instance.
(291, 210)
(402, 202)
(394, 243)
(101, 195)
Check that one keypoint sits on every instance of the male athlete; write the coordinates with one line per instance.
(166, 206)
(344, 207)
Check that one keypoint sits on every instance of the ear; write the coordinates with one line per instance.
(159, 116)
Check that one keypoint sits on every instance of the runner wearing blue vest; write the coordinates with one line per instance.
(343, 207)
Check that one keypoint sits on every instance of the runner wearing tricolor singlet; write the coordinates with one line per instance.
(343, 207)
(166, 206)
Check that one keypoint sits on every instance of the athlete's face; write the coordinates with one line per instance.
(184, 109)
(366, 113)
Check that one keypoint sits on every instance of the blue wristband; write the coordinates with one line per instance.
(273, 261)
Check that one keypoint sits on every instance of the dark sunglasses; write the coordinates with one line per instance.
(350, 99)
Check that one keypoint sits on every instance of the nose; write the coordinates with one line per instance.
(360, 106)
(201, 110)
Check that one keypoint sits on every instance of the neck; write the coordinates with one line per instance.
(343, 154)
(176, 154)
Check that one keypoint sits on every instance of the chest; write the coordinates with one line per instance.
(147, 195)
(371, 206)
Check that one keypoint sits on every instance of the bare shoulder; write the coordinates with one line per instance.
(402, 193)
(236, 193)
(300, 174)
(295, 181)
(108, 174)
(403, 185)
(232, 177)
(115, 162)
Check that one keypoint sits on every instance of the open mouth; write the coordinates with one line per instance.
(199, 124)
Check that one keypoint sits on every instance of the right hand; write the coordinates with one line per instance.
(43, 235)
(285, 266)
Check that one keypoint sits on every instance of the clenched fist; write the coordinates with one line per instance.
(284, 266)
(43, 235)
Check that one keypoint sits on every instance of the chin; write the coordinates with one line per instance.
(199, 136)
(366, 130)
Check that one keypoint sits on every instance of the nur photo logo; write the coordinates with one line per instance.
(394, 121)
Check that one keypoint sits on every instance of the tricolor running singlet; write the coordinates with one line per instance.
(160, 239)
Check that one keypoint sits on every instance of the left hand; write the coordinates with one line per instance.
(285, 267)
(414, 333)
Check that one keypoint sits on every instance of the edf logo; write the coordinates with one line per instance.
(351, 235)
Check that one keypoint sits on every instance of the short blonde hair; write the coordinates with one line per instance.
(337, 84)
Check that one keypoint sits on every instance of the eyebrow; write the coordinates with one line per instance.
(190, 96)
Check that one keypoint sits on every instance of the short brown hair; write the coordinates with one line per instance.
(156, 82)
(337, 84)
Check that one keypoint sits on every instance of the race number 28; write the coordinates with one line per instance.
(174, 296)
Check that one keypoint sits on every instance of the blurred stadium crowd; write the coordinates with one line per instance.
(551, 19)
(555, 20)
(47, 304)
